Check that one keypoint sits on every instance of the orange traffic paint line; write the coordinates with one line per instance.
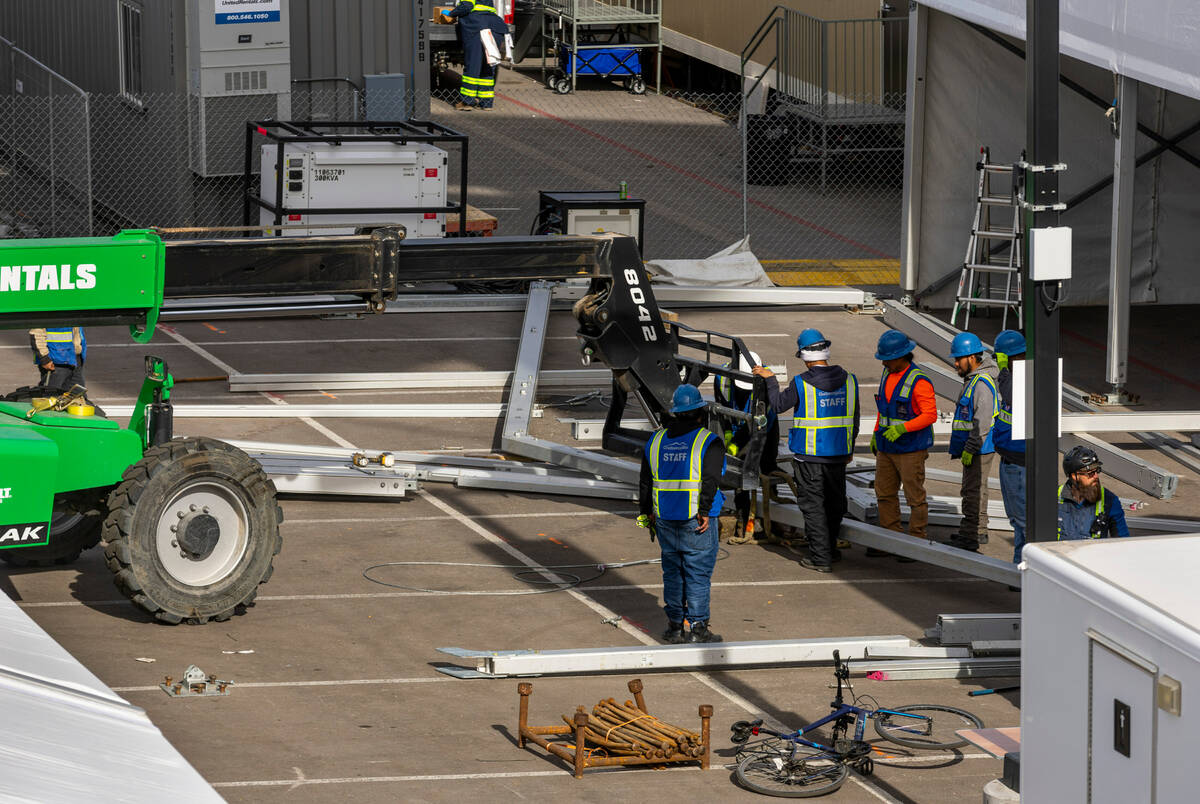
(325, 393)
(556, 541)
(214, 329)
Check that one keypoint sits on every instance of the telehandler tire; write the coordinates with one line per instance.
(74, 527)
(192, 531)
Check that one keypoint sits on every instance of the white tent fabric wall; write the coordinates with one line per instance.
(1153, 41)
(975, 95)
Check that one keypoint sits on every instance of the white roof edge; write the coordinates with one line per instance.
(1156, 44)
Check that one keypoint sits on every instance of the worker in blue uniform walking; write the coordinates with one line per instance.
(59, 353)
(478, 88)
(824, 426)
(971, 439)
(1010, 348)
(680, 502)
(1087, 510)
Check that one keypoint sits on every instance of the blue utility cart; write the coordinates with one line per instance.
(604, 39)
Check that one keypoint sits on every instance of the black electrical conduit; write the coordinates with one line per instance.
(1163, 144)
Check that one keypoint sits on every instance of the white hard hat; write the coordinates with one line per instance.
(744, 366)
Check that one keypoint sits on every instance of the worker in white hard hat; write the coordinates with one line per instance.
(737, 395)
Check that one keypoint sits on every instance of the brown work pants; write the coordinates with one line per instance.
(975, 499)
(896, 469)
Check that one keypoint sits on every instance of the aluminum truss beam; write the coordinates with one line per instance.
(963, 629)
(297, 469)
(497, 664)
(480, 410)
(905, 669)
(570, 378)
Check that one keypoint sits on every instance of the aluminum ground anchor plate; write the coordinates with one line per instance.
(195, 684)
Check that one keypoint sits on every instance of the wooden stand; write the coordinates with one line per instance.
(581, 756)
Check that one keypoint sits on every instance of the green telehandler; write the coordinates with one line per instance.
(191, 525)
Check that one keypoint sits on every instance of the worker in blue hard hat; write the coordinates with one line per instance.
(738, 394)
(824, 426)
(680, 502)
(971, 436)
(1009, 348)
(903, 435)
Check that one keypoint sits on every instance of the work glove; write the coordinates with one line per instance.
(894, 432)
(646, 521)
(732, 449)
(874, 449)
(1002, 360)
(967, 458)
(45, 362)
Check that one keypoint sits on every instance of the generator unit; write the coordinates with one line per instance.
(590, 212)
(347, 182)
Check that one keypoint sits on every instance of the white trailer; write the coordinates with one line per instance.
(1110, 671)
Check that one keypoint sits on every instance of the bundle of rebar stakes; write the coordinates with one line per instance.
(624, 729)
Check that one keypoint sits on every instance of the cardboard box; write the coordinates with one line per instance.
(437, 14)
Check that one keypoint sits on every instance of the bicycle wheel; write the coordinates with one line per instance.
(802, 777)
(931, 726)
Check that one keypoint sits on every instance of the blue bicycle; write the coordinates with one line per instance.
(789, 765)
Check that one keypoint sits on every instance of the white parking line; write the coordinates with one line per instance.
(479, 592)
(332, 341)
(536, 515)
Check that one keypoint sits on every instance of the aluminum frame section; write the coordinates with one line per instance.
(1121, 254)
(908, 669)
(479, 410)
(1131, 469)
(831, 297)
(498, 664)
(1186, 421)
(913, 188)
(940, 555)
(963, 629)
(329, 471)
(563, 378)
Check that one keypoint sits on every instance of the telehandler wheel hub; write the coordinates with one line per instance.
(199, 532)
(203, 532)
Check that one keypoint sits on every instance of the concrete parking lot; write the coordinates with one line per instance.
(340, 699)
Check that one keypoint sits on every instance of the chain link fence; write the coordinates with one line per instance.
(73, 164)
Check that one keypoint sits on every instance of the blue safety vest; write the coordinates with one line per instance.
(1002, 429)
(675, 472)
(823, 423)
(60, 344)
(964, 415)
(898, 410)
(724, 388)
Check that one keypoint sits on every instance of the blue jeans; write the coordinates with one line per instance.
(1012, 489)
(688, 558)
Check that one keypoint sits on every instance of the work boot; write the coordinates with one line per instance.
(674, 634)
(463, 107)
(809, 564)
(968, 543)
(700, 633)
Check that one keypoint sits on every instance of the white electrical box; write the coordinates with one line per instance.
(1110, 670)
(360, 175)
(1050, 254)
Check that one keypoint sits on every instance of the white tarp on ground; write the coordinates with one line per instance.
(66, 737)
(1154, 41)
(975, 95)
(734, 266)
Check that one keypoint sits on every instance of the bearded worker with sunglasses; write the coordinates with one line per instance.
(1087, 510)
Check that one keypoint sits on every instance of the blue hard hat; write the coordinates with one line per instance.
(686, 397)
(811, 339)
(894, 344)
(1010, 342)
(965, 343)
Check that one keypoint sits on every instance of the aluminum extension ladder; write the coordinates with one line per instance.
(994, 249)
